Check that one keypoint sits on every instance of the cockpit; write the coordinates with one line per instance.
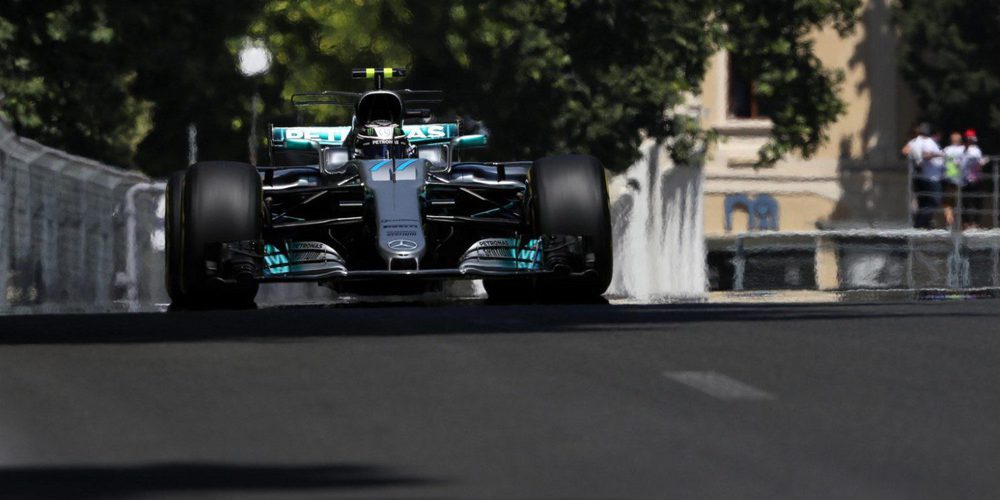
(377, 131)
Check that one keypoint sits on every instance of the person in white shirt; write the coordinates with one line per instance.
(912, 150)
(924, 152)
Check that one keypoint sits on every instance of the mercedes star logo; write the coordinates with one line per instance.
(403, 245)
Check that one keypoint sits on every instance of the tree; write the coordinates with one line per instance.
(948, 57)
(183, 54)
(593, 76)
(316, 43)
(120, 81)
(598, 76)
(771, 40)
(551, 77)
(64, 86)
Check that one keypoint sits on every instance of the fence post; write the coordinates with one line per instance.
(996, 194)
(909, 262)
(995, 254)
(739, 265)
(909, 194)
(25, 225)
(131, 247)
(958, 262)
(6, 193)
(959, 207)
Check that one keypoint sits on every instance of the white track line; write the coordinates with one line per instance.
(719, 386)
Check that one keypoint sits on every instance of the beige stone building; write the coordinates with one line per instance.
(857, 179)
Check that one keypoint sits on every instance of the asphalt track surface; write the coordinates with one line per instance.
(482, 401)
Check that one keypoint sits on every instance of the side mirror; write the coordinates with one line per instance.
(439, 156)
(474, 141)
(333, 160)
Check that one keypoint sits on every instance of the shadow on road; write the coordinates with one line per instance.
(297, 323)
(133, 481)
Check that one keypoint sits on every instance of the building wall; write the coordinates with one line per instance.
(857, 178)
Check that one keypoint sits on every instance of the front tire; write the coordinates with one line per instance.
(567, 197)
(221, 203)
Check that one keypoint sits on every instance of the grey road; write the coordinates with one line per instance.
(481, 401)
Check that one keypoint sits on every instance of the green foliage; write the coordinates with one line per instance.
(180, 53)
(121, 80)
(59, 71)
(770, 39)
(316, 43)
(948, 56)
(598, 76)
(561, 76)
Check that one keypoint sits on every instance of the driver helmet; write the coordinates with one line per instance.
(382, 139)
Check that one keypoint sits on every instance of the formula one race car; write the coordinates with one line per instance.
(383, 200)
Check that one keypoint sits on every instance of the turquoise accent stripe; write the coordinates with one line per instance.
(528, 256)
(274, 260)
(379, 165)
(405, 164)
(306, 138)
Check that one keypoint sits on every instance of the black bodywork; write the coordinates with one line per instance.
(331, 213)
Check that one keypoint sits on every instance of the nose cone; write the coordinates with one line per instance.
(395, 186)
(401, 237)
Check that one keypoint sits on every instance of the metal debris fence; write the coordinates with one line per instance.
(861, 259)
(76, 231)
(978, 204)
(73, 230)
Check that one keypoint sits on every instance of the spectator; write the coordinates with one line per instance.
(908, 148)
(953, 180)
(925, 154)
(912, 166)
(972, 174)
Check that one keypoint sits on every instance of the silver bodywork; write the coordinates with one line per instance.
(396, 186)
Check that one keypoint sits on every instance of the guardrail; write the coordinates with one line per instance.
(985, 191)
(859, 259)
(73, 230)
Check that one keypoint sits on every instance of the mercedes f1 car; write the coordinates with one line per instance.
(386, 198)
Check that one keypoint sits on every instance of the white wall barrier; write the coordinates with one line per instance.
(858, 259)
(73, 230)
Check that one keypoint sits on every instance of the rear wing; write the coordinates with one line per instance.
(314, 138)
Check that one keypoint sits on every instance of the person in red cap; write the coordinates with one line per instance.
(972, 173)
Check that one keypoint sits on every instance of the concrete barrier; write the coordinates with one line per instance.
(856, 260)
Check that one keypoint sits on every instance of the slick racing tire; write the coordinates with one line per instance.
(222, 203)
(172, 223)
(568, 196)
